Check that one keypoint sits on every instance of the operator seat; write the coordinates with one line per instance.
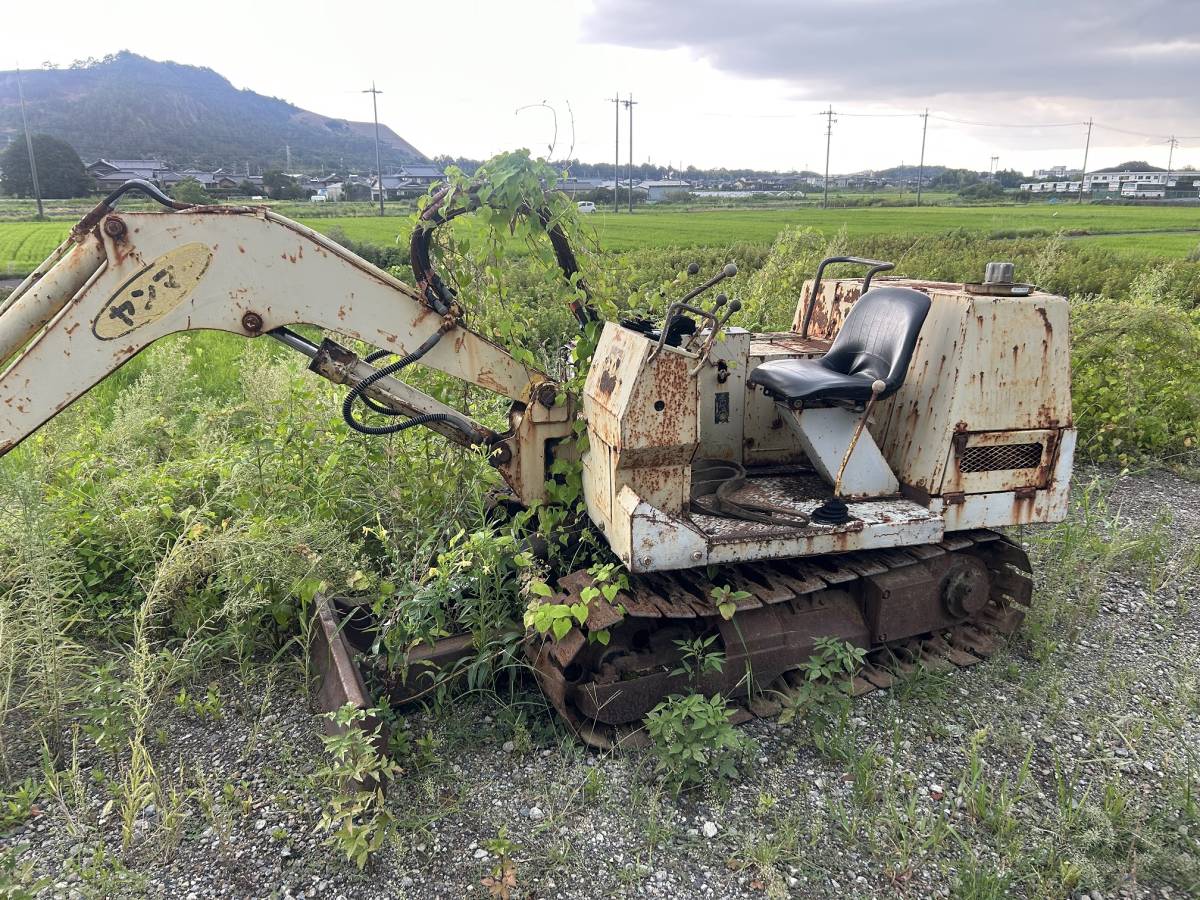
(875, 343)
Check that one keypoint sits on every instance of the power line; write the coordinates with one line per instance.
(879, 115)
(1143, 134)
(37, 190)
(1009, 124)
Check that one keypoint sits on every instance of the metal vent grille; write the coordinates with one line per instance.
(999, 457)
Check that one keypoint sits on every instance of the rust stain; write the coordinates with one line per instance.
(1041, 311)
(608, 382)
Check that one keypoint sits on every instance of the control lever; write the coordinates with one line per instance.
(682, 305)
(728, 272)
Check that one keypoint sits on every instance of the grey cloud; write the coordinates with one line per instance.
(891, 50)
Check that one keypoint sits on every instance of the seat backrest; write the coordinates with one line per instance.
(878, 336)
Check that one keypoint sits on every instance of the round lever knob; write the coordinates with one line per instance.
(729, 271)
(878, 386)
(720, 301)
(693, 268)
(735, 305)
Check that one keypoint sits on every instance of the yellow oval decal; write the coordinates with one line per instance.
(153, 292)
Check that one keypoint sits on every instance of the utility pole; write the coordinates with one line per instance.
(1172, 142)
(617, 153)
(629, 104)
(829, 120)
(287, 152)
(921, 167)
(994, 167)
(1087, 145)
(378, 165)
(37, 190)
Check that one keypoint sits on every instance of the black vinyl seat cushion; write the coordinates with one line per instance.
(875, 343)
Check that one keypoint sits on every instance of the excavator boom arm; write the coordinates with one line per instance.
(127, 280)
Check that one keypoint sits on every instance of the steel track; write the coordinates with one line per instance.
(937, 606)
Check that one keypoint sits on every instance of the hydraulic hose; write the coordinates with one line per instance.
(105, 206)
(358, 392)
(440, 296)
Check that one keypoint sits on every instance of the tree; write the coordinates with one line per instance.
(60, 170)
(954, 179)
(248, 188)
(982, 190)
(1009, 178)
(189, 190)
(283, 187)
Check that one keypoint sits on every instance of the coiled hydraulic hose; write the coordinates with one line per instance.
(358, 392)
(440, 297)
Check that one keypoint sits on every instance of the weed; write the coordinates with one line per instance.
(502, 882)
(991, 800)
(826, 679)
(207, 708)
(356, 815)
(697, 658)
(693, 742)
(19, 803)
(976, 880)
(16, 878)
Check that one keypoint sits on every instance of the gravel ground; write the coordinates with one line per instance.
(890, 807)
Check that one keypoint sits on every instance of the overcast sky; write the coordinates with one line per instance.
(738, 84)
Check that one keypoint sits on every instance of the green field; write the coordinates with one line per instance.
(24, 244)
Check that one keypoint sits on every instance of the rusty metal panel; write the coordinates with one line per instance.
(990, 461)
(721, 396)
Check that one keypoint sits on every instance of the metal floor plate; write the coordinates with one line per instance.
(874, 524)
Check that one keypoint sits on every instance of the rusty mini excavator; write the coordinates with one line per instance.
(840, 479)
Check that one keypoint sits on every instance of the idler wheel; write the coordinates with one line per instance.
(965, 587)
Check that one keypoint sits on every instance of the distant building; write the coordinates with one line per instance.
(1051, 187)
(1113, 180)
(657, 191)
(1147, 184)
(410, 181)
(1055, 173)
(574, 186)
(112, 173)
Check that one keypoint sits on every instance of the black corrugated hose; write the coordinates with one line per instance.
(358, 392)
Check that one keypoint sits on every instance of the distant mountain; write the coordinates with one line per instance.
(128, 106)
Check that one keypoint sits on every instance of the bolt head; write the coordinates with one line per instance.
(252, 322)
(697, 555)
(646, 560)
(114, 227)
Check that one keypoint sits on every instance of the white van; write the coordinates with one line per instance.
(586, 206)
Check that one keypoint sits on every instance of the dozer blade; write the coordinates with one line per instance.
(935, 607)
